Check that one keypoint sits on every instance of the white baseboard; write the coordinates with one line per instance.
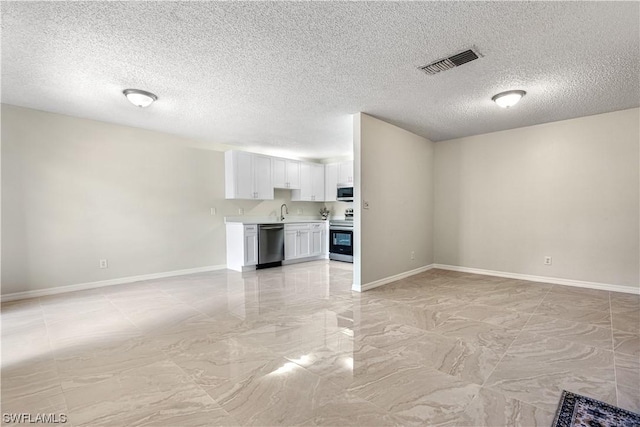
(542, 279)
(92, 285)
(390, 279)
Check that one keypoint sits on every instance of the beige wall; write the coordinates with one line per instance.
(394, 173)
(568, 189)
(75, 191)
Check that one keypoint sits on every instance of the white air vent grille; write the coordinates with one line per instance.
(450, 62)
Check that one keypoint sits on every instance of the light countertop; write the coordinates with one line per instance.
(271, 220)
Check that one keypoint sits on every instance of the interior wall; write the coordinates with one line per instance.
(394, 174)
(568, 189)
(75, 191)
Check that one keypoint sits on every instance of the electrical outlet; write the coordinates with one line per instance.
(547, 260)
(213, 211)
(413, 255)
(299, 211)
(365, 204)
(104, 263)
(240, 211)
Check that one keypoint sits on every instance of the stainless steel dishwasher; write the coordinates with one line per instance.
(270, 245)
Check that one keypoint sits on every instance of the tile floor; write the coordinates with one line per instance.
(294, 346)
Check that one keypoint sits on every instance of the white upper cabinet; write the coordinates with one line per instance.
(286, 173)
(317, 182)
(248, 176)
(345, 172)
(330, 182)
(311, 183)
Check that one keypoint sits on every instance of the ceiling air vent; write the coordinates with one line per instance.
(450, 62)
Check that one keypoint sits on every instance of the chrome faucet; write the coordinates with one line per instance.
(286, 209)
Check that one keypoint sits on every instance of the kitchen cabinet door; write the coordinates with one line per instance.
(238, 175)
(242, 246)
(293, 174)
(317, 182)
(286, 173)
(279, 172)
(345, 173)
(317, 237)
(304, 243)
(262, 178)
(330, 182)
(251, 247)
(290, 244)
(305, 191)
(247, 176)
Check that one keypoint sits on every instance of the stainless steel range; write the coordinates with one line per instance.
(341, 238)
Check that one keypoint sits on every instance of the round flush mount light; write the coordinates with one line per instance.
(509, 98)
(139, 98)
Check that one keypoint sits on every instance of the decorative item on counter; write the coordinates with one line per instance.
(324, 212)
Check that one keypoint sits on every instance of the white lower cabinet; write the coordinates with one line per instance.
(242, 246)
(297, 241)
(317, 239)
(301, 240)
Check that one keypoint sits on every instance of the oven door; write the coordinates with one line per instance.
(341, 240)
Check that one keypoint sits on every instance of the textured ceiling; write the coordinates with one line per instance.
(286, 76)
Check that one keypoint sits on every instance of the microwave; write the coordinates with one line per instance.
(345, 194)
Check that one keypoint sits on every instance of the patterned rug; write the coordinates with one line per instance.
(581, 411)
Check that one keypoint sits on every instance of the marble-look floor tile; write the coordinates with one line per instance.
(151, 314)
(490, 408)
(485, 313)
(176, 338)
(344, 366)
(158, 394)
(539, 386)
(16, 317)
(532, 351)
(417, 317)
(418, 396)
(578, 298)
(283, 393)
(483, 334)
(279, 393)
(582, 333)
(30, 379)
(84, 365)
(454, 356)
(53, 404)
(384, 335)
(575, 314)
(629, 399)
(628, 371)
(621, 302)
(91, 327)
(579, 292)
(626, 342)
(75, 309)
(24, 346)
(212, 364)
(526, 302)
(294, 345)
(628, 321)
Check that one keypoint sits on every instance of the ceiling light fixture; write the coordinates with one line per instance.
(509, 98)
(140, 98)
